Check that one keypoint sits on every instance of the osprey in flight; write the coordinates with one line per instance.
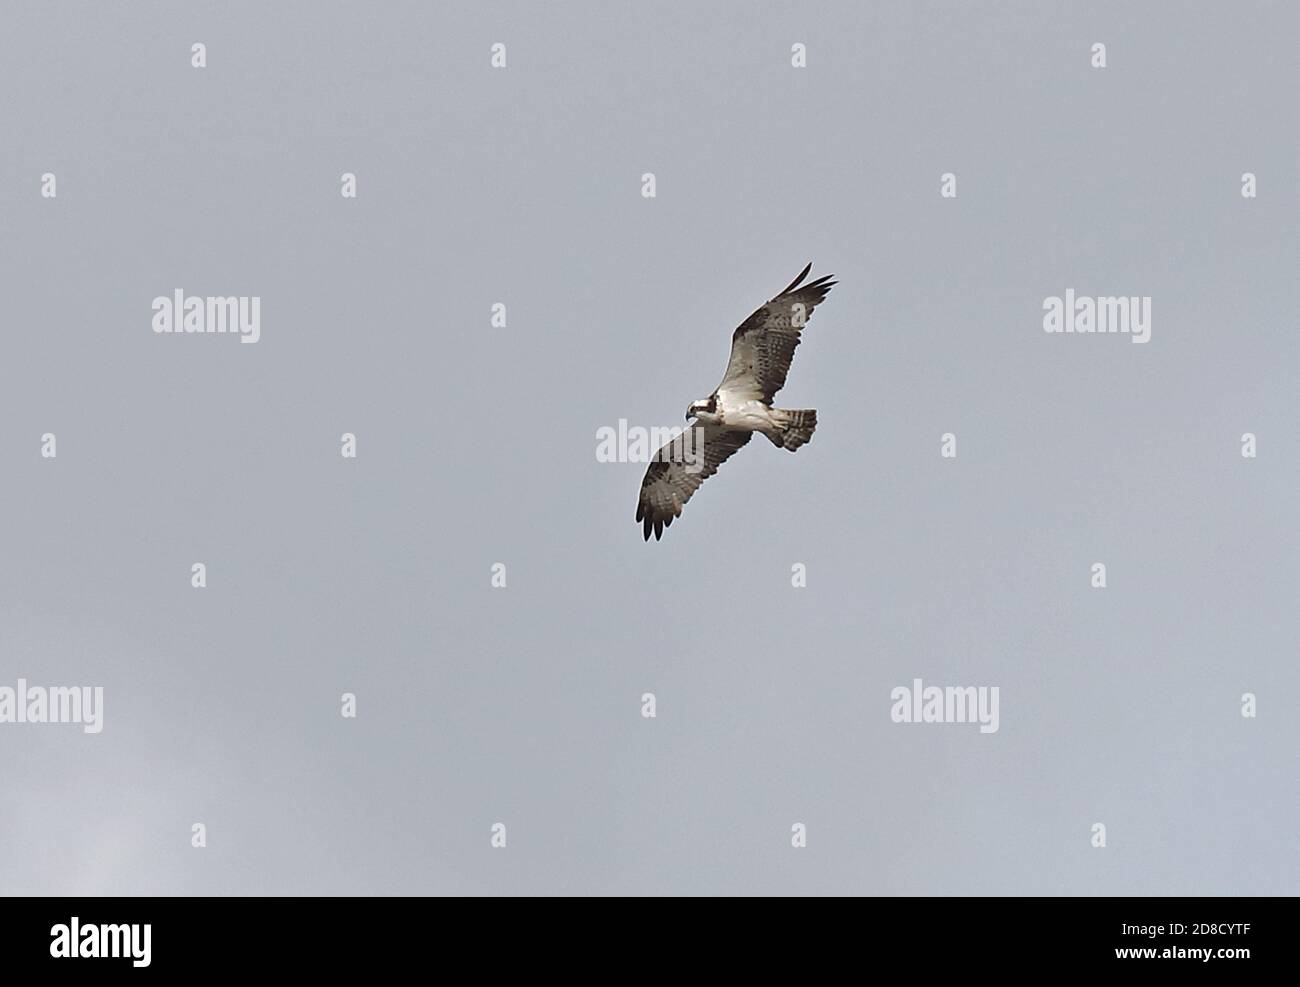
(761, 350)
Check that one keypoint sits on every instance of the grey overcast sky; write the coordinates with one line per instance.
(476, 445)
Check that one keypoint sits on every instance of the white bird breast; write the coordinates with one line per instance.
(753, 416)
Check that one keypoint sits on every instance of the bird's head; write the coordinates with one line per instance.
(702, 409)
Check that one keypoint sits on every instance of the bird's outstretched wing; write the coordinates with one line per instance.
(763, 346)
(679, 468)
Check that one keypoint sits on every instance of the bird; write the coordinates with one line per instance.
(761, 350)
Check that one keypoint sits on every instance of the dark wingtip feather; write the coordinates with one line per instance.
(795, 283)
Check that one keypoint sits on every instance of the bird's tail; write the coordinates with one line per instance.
(794, 428)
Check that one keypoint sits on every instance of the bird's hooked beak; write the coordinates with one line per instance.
(690, 412)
